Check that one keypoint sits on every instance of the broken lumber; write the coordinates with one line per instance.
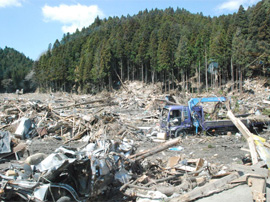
(206, 190)
(250, 170)
(258, 186)
(173, 161)
(165, 101)
(83, 103)
(155, 150)
(247, 134)
(77, 136)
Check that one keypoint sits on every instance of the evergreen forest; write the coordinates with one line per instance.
(15, 70)
(171, 46)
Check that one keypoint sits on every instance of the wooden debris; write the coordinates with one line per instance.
(77, 136)
(173, 161)
(207, 189)
(98, 118)
(152, 151)
(250, 170)
(258, 185)
(247, 134)
(198, 164)
(83, 103)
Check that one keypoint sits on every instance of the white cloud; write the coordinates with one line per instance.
(233, 5)
(8, 3)
(72, 16)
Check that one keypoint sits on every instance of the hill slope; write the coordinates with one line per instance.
(14, 66)
(160, 45)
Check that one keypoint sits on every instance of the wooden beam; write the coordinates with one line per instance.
(258, 188)
(250, 170)
(207, 189)
(247, 134)
(83, 103)
(155, 150)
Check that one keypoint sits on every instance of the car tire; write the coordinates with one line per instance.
(180, 133)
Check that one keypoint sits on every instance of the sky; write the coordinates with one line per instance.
(29, 26)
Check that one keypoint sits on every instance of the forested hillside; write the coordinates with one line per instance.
(168, 45)
(14, 66)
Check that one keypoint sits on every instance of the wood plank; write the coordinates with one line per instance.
(247, 134)
(246, 150)
(186, 168)
(260, 164)
(192, 160)
(152, 151)
(83, 103)
(173, 161)
(199, 164)
(250, 170)
(266, 144)
(258, 188)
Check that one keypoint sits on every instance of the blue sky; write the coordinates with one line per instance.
(30, 25)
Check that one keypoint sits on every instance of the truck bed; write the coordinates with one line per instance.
(227, 123)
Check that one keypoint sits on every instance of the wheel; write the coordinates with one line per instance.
(180, 133)
(64, 199)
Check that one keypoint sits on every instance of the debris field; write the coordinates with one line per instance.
(109, 146)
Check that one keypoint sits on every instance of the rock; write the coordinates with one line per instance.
(35, 158)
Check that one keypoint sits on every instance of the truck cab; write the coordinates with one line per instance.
(176, 120)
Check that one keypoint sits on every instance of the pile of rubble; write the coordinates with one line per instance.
(64, 147)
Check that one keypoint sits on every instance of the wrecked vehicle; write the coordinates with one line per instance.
(68, 174)
(178, 120)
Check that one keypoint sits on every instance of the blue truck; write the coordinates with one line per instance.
(179, 120)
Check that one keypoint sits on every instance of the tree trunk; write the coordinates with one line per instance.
(197, 79)
(199, 76)
(172, 79)
(121, 69)
(216, 80)
(211, 80)
(146, 74)
(220, 79)
(187, 82)
(178, 77)
(153, 76)
(183, 80)
(240, 81)
(128, 70)
(206, 79)
(165, 81)
(169, 82)
(110, 81)
(133, 72)
(237, 81)
(142, 72)
(64, 86)
(232, 74)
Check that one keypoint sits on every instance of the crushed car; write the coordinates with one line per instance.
(68, 174)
